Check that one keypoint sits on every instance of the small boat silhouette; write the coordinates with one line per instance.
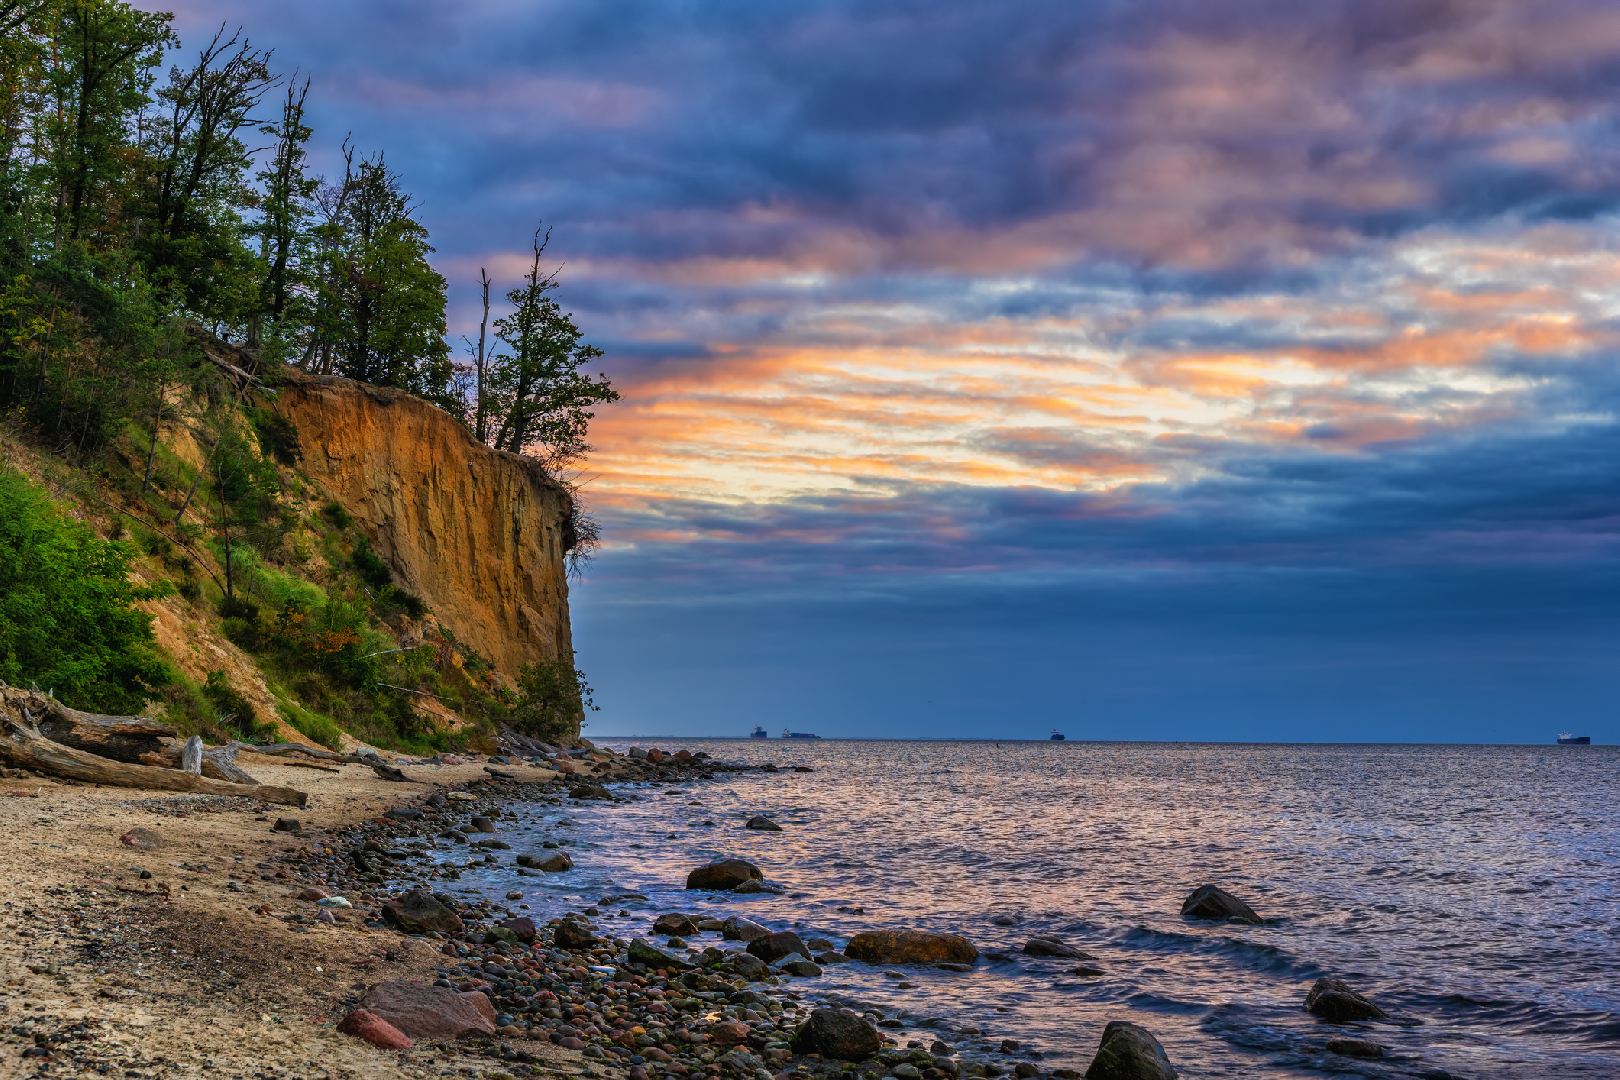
(1057, 736)
(759, 732)
(1566, 739)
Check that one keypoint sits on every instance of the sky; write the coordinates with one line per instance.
(1217, 370)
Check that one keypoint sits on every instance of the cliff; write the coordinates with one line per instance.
(480, 535)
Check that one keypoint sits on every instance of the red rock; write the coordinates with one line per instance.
(313, 893)
(429, 1012)
(637, 1073)
(480, 1001)
(368, 1026)
(683, 755)
(568, 1042)
(655, 755)
(729, 1033)
(141, 839)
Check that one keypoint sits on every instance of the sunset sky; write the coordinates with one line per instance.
(1185, 370)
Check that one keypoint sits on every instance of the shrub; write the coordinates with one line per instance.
(373, 571)
(66, 615)
(552, 699)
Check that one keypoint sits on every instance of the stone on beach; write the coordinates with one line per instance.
(738, 928)
(910, 947)
(724, 874)
(643, 951)
(1210, 902)
(764, 823)
(574, 935)
(1129, 1052)
(427, 1012)
(368, 1026)
(589, 791)
(729, 1033)
(1333, 1000)
(416, 912)
(675, 925)
(1046, 946)
(141, 839)
(774, 947)
(836, 1034)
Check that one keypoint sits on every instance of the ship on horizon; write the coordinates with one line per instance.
(759, 732)
(1566, 739)
(786, 734)
(1057, 736)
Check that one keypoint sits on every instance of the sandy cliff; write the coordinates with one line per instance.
(480, 535)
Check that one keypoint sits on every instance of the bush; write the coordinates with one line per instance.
(373, 571)
(552, 699)
(66, 615)
(277, 436)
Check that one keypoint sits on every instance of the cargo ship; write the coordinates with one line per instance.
(1566, 739)
(1057, 736)
(758, 732)
(786, 734)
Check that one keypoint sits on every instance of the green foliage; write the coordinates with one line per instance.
(277, 436)
(553, 696)
(67, 619)
(312, 724)
(338, 516)
(235, 716)
(373, 571)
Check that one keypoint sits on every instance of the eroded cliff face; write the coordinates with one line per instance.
(480, 535)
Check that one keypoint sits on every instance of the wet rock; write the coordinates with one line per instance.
(832, 956)
(427, 1012)
(1010, 1046)
(836, 1034)
(522, 928)
(141, 839)
(1360, 1048)
(683, 755)
(724, 874)
(589, 791)
(1333, 1000)
(1209, 902)
(500, 933)
(675, 925)
(820, 944)
(368, 1026)
(729, 1033)
(1046, 946)
(774, 947)
(555, 863)
(483, 825)
(749, 967)
(764, 823)
(574, 935)
(400, 813)
(1086, 971)
(1129, 1052)
(1004, 920)
(801, 967)
(911, 947)
(655, 755)
(959, 968)
(756, 885)
(643, 951)
(498, 845)
(416, 912)
(1025, 1069)
(286, 824)
(637, 753)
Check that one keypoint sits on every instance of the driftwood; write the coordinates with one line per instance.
(387, 772)
(121, 738)
(23, 744)
(218, 762)
(309, 765)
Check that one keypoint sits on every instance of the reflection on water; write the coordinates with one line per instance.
(1470, 890)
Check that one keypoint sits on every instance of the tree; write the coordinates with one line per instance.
(537, 391)
(287, 196)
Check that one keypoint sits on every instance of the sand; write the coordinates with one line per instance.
(177, 975)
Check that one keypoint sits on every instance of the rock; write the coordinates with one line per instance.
(1086, 971)
(500, 933)
(683, 755)
(729, 1033)
(401, 813)
(416, 912)
(741, 1062)
(764, 823)
(1010, 1046)
(820, 944)
(286, 824)
(1004, 920)
(483, 825)
(499, 845)
(312, 893)
(1045, 946)
(749, 967)
(755, 885)
(1025, 1069)
(460, 796)
(637, 752)
(1209, 902)
(552, 864)
(675, 925)
(1360, 1048)
(368, 1026)
(737, 928)
(480, 1001)
(831, 957)
(427, 1012)
(1129, 1052)
(141, 839)
(1333, 1000)
(724, 874)
(574, 936)
(589, 791)
(910, 947)
(643, 951)
(774, 947)
(655, 755)
(836, 1034)
(804, 969)
(522, 928)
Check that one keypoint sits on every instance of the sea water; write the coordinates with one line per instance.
(1469, 890)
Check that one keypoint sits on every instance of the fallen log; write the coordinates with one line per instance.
(218, 762)
(120, 738)
(287, 749)
(21, 744)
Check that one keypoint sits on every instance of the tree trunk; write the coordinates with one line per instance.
(117, 738)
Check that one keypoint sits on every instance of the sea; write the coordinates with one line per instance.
(1472, 891)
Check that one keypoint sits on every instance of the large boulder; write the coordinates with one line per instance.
(589, 791)
(556, 862)
(773, 947)
(836, 1034)
(1047, 946)
(1332, 999)
(910, 947)
(416, 912)
(426, 1012)
(521, 927)
(724, 874)
(643, 951)
(1129, 1052)
(675, 925)
(1209, 902)
(738, 928)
